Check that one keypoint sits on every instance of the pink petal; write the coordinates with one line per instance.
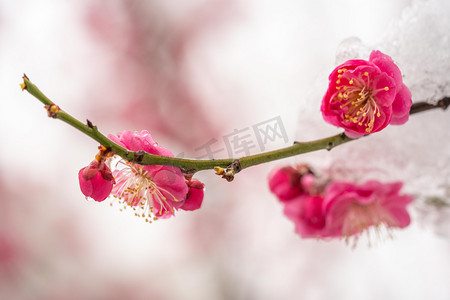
(306, 213)
(401, 106)
(136, 141)
(172, 180)
(387, 65)
(194, 198)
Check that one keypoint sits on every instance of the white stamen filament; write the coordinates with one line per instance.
(134, 187)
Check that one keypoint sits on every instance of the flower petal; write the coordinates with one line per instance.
(401, 106)
(194, 198)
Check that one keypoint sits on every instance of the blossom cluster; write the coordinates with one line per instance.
(152, 191)
(363, 97)
(333, 209)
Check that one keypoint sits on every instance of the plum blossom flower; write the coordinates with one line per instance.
(96, 180)
(350, 208)
(364, 97)
(338, 209)
(150, 190)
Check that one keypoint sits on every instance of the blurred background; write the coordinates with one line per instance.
(197, 73)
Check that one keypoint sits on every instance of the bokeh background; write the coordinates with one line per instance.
(190, 72)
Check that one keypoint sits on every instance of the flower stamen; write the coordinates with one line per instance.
(137, 189)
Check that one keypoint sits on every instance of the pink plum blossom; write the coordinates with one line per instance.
(364, 97)
(350, 208)
(336, 209)
(150, 190)
(96, 180)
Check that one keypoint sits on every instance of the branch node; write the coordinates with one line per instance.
(138, 156)
(236, 166)
(230, 171)
(227, 173)
(188, 173)
(444, 103)
(330, 146)
(89, 124)
(52, 110)
(104, 153)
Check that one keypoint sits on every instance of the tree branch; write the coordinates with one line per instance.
(423, 106)
(191, 166)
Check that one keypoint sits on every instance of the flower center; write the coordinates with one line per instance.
(359, 217)
(357, 99)
(136, 189)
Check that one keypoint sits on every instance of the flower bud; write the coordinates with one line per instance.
(96, 181)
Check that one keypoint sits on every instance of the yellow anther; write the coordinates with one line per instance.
(351, 81)
(366, 73)
(386, 89)
(338, 81)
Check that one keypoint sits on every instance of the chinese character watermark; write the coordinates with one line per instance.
(244, 141)
(270, 130)
(239, 142)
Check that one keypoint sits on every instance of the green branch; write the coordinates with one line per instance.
(191, 165)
